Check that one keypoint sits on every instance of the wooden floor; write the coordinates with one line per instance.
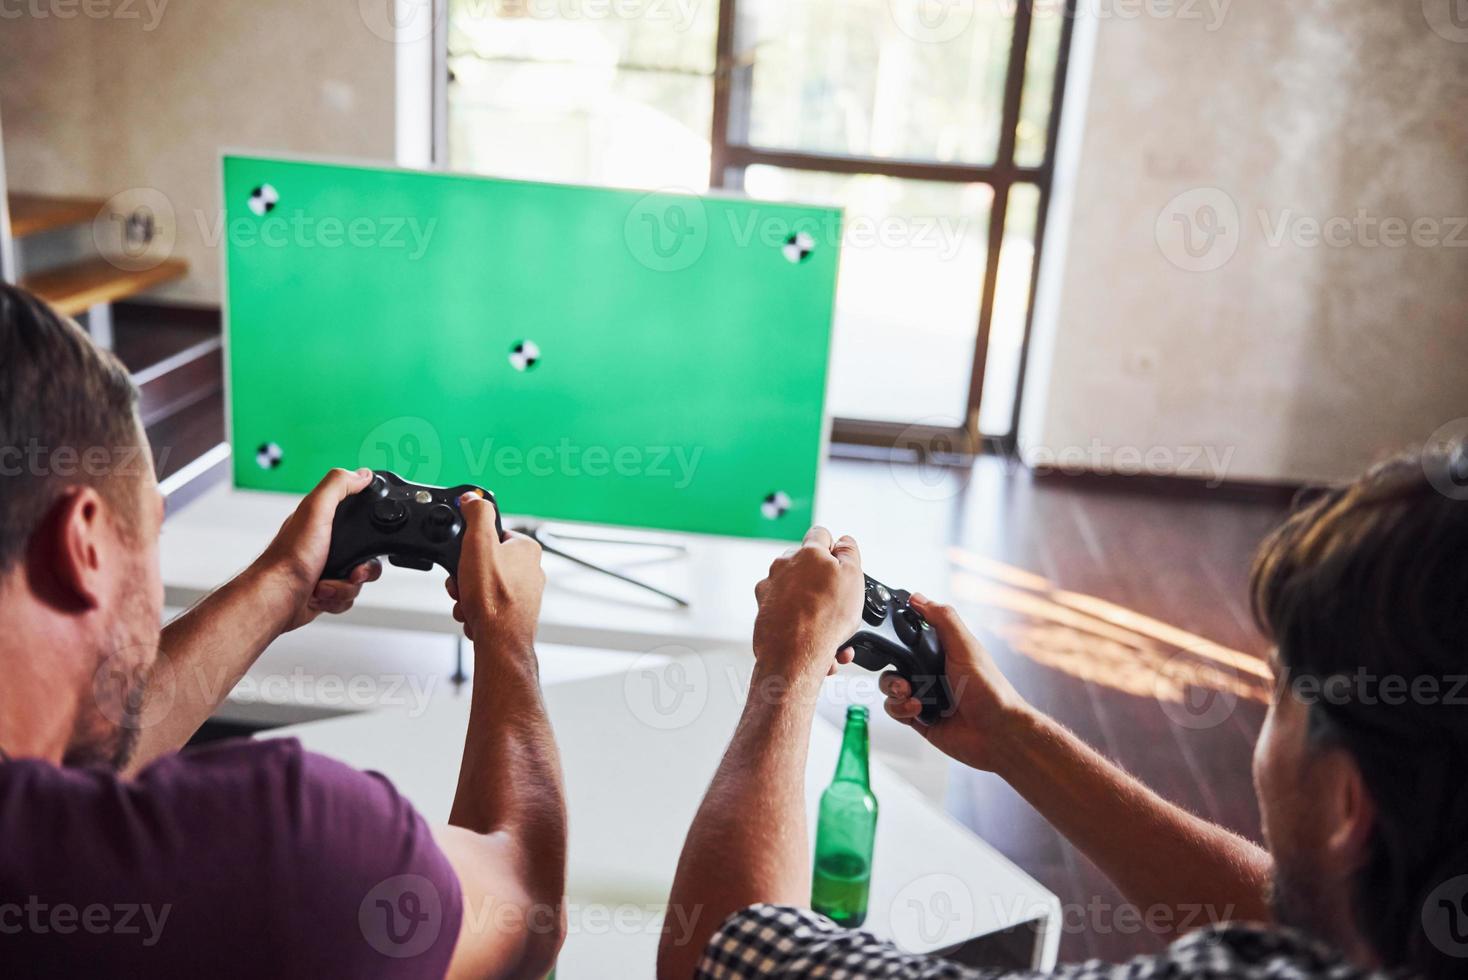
(1134, 596)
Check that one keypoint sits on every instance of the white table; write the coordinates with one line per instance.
(221, 532)
(637, 758)
(223, 529)
(399, 639)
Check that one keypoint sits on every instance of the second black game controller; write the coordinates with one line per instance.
(413, 525)
(894, 634)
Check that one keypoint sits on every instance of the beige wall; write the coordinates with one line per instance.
(102, 106)
(1287, 361)
(1290, 361)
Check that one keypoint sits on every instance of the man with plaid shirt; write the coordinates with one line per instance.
(1360, 767)
(773, 941)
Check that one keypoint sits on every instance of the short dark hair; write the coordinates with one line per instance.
(1369, 581)
(67, 416)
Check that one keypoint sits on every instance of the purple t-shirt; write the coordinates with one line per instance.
(241, 859)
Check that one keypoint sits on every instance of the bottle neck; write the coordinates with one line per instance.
(852, 766)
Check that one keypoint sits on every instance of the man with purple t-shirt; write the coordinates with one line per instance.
(120, 856)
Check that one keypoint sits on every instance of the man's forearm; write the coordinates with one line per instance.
(1172, 865)
(510, 777)
(748, 842)
(203, 654)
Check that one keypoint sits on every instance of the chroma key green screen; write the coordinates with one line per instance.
(589, 354)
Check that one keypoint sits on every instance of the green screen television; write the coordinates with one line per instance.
(588, 354)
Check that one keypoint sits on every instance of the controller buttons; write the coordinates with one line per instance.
(423, 497)
(864, 654)
(874, 611)
(440, 523)
(388, 514)
(378, 486)
(908, 625)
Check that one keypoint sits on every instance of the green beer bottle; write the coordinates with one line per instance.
(846, 831)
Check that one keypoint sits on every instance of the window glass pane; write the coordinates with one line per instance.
(907, 305)
(1011, 307)
(1037, 97)
(904, 79)
(617, 93)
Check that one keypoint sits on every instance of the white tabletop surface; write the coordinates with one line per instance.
(221, 532)
(638, 748)
(898, 518)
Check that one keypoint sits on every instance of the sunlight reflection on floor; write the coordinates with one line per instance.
(1097, 640)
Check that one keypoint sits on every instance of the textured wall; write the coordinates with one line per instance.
(1276, 341)
(115, 103)
(1252, 359)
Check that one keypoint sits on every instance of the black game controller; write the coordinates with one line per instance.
(894, 634)
(415, 526)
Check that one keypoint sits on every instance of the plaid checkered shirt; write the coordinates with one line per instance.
(771, 941)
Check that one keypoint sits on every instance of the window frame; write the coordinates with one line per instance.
(726, 155)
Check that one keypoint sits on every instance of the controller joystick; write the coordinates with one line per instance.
(440, 523)
(389, 515)
(874, 608)
(894, 634)
(413, 525)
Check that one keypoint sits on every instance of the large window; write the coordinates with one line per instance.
(929, 121)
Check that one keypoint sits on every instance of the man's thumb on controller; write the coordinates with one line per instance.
(952, 633)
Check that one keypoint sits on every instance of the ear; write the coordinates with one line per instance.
(1352, 811)
(75, 543)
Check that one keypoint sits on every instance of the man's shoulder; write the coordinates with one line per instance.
(213, 760)
(225, 773)
(1250, 949)
(225, 844)
(770, 941)
(256, 765)
(234, 797)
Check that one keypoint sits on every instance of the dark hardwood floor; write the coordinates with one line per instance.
(1122, 615)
